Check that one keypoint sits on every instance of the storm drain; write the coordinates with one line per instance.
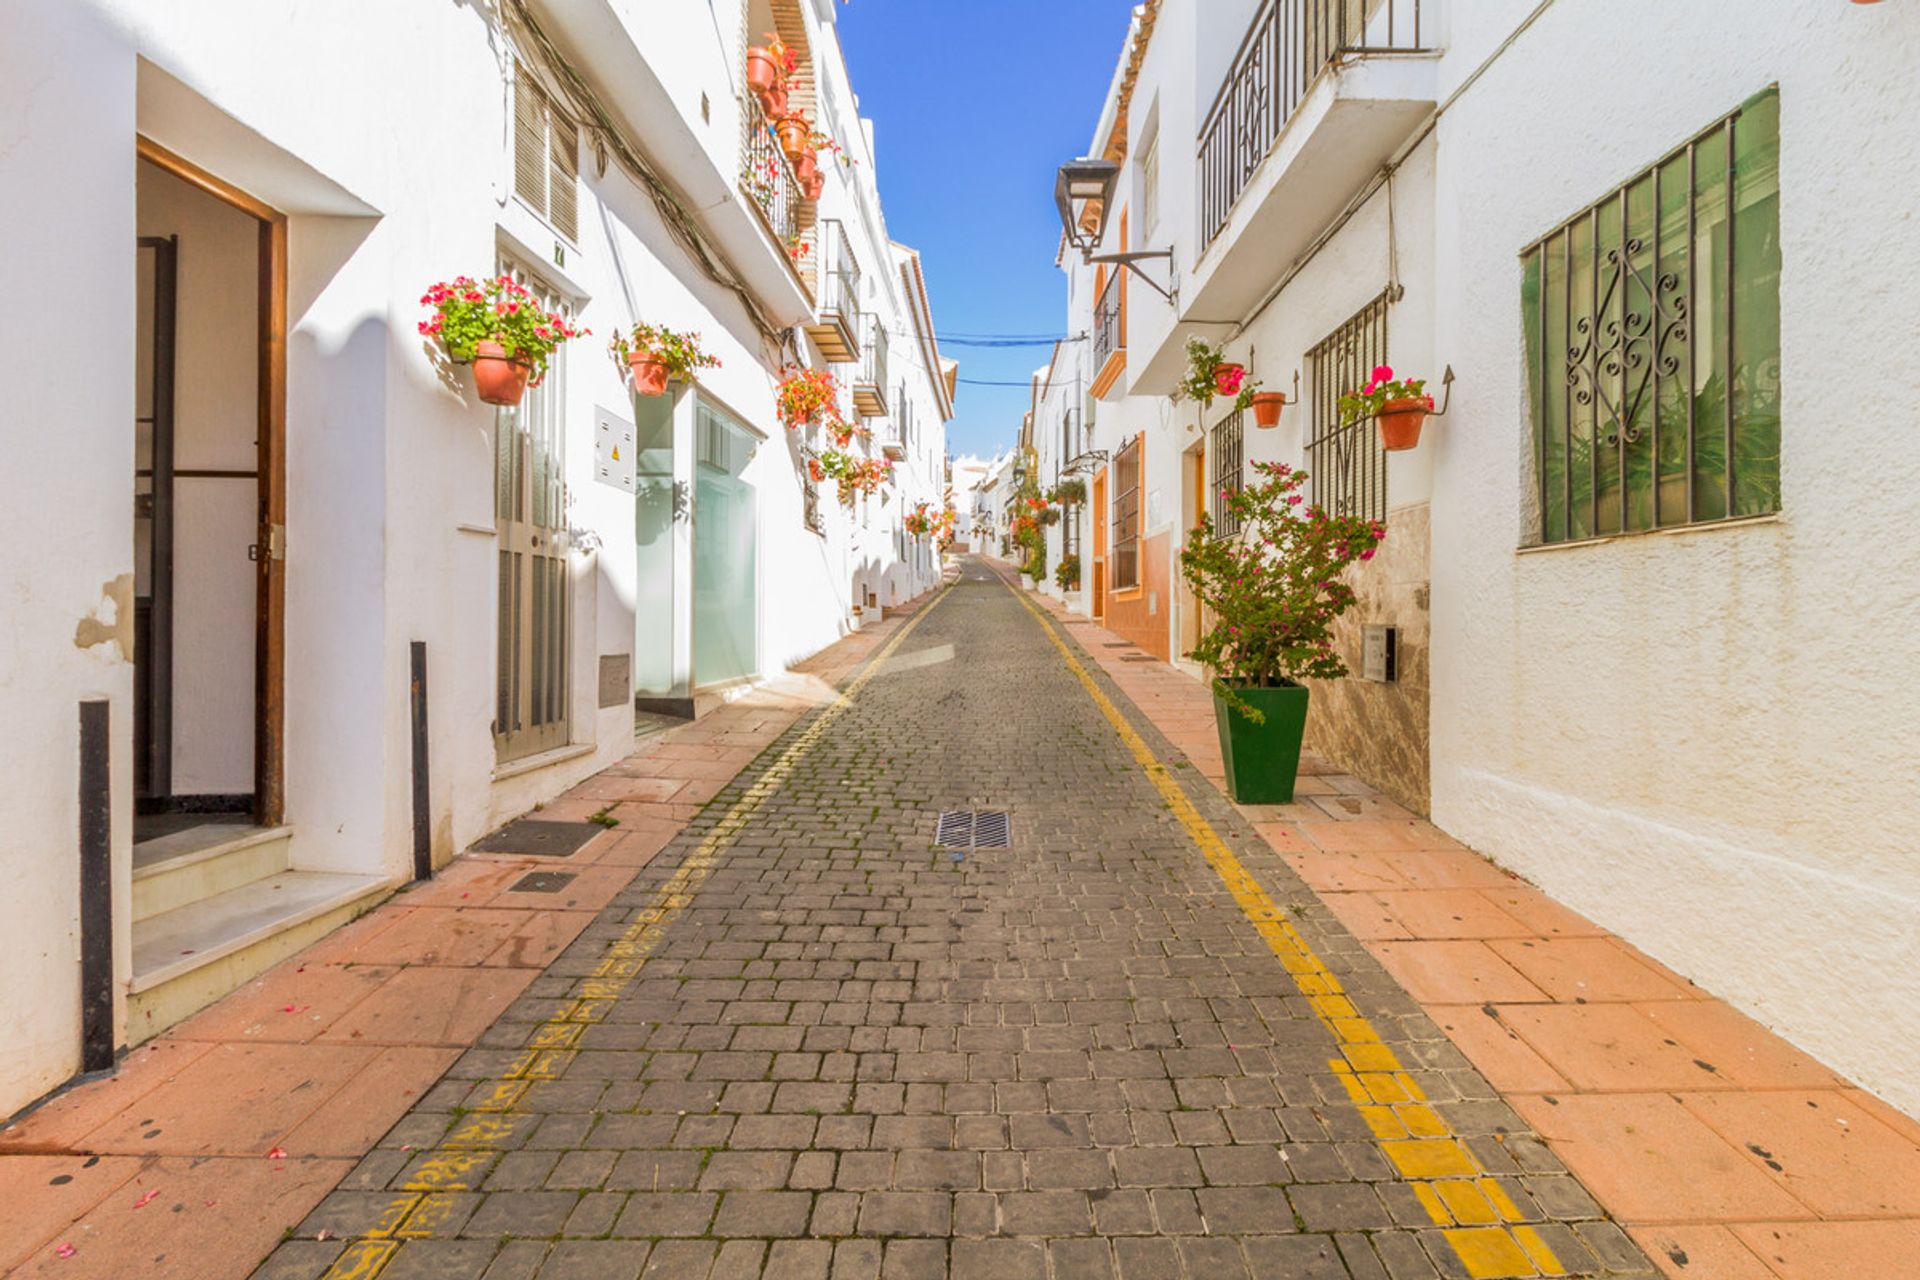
(973, 829)
(542, 882)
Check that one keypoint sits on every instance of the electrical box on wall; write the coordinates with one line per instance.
(613, 450)
(1379, 654)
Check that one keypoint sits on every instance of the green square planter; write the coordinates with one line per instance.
(1262, 759)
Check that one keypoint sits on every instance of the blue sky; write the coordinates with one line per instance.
(974, 106)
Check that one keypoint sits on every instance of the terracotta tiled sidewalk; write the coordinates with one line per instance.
(1726, 1152)
(215, 1137)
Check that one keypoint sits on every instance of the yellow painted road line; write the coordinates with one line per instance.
(467, 1153)
(1448, 1178)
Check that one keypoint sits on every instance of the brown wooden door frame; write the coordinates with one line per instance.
(269, 671)
(1099, 514)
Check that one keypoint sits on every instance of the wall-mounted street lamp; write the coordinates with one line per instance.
(1083, 191)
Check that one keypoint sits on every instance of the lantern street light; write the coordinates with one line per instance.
(1083, 192)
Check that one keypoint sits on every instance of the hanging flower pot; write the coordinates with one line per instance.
(763, 69)
(794, 132)
(649, 373)
(499, 327)
(1400, 422)
(498, 377)
(654, 353)
(1227, 378)
(773, 102)
(1399, 405)
(1267, 406)
(806, 167)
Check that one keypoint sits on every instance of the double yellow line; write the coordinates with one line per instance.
(429, 1199)
(1480, 1221)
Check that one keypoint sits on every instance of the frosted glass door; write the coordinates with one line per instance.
(726, 596)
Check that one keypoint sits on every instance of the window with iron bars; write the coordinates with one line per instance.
(1346, 466)
(810, 502)
(1229, 441)
(1653, 342)
(1126, 516)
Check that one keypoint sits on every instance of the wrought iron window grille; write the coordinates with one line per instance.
(1346, 465)
(1652, 326)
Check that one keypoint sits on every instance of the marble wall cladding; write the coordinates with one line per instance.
(1378, 732)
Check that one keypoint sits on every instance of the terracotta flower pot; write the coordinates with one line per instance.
(1267, 406)
(499, 378)
(806, 166)
(1400, 422)
(763, 70)
(811, 187)
(1227, 378)
(773, 102)
(649, 374)
(794, 133)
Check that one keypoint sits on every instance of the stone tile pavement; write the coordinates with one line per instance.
(773, 1032)
(1726, 1152)
(805, 1042)
(167, 1169)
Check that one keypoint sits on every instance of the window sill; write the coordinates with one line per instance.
(532, 764)
(1121, 595)
(1739, 522)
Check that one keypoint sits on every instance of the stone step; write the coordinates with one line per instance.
(178, 870)
(186, 958)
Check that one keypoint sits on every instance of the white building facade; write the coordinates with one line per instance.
(316, 619)
(1647, 574)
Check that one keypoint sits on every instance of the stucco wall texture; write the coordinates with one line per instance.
(1704, 740)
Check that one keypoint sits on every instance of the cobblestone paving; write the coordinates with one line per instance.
(807, 1045)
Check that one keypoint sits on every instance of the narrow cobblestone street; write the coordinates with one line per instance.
(805, 1042)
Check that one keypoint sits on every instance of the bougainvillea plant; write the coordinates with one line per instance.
(1209, 375)
(1274, 589)
(680, 352)
(468, 312)
(806, 396)
(1382, 387)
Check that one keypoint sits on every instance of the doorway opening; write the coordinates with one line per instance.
(726, 543)
(209, 511)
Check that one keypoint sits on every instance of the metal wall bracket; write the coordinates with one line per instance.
(1128, 260)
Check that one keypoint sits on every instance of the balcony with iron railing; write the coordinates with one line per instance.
(766, 177)
(833, 274)
(1319, 98)
(870, 383)
(1109, 333)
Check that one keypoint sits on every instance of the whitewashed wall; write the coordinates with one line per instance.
(402, 180)
(1703, 739)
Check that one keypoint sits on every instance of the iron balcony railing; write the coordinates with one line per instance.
(873, 356)
(1285, 49)
(837, 274)
(1106, 322)
(765, 176)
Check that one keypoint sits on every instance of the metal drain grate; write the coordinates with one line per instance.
(542, 882)
(973, 829)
